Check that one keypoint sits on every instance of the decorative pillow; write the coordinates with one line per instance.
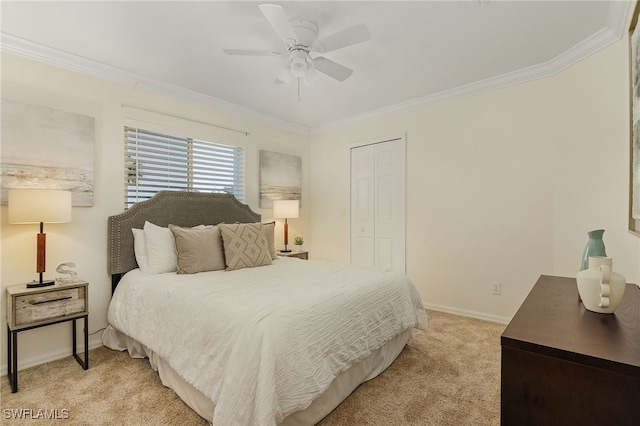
(140, 249)
(199, 249)
(245, 245)
(269, 231)
(161, 249)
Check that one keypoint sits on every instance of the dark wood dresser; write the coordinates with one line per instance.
(565, 365)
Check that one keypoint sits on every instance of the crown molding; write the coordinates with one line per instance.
(37, 52)
(230, 108)
(617, 26)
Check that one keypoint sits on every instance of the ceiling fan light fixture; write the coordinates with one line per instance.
(298, 64)
(300, 38)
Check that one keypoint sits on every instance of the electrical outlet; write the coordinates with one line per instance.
(497, 289)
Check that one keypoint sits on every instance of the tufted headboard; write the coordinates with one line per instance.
(164, 208)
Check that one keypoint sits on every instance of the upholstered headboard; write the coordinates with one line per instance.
(168, 207)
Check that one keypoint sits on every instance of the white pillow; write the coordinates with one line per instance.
(140, 249)
(161, 249)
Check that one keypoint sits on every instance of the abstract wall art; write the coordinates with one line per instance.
(46, 148)
(280, 178)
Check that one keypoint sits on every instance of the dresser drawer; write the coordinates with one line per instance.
(32, 308)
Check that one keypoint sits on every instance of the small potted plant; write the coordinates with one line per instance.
(298, 241)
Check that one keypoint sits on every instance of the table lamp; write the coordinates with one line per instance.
(39, 206)
(285, 209)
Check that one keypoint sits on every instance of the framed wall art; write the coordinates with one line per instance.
(280, 178)
(43, 148)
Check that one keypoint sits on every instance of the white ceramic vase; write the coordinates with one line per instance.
(600, 289)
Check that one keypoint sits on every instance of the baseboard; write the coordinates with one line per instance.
(466, 313)
(95, 341)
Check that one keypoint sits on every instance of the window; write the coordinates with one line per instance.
(154, 162)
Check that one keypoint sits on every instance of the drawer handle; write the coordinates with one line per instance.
(51, 301)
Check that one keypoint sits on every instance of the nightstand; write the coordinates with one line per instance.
(29, 308)
(299, 254)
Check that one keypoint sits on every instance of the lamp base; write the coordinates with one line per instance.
(35, 284)
(285, 251)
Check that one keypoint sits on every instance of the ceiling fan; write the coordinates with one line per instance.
(300, 40)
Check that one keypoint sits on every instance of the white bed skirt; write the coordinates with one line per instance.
(338, 391)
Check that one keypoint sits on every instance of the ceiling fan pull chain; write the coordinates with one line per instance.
(298, 89)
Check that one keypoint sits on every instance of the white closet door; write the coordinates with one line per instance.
(378, 205)
(390, 205)
(362, 204)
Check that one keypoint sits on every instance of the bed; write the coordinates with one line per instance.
(277, 341)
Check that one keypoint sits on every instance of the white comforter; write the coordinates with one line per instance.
(265, 342)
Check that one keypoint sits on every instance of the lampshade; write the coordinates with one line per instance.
(39, 205)
(286, 209)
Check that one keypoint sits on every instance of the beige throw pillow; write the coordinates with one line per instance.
(199, 250)
(245, 245)
(269, 231)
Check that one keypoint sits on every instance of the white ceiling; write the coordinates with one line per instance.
(420, 53)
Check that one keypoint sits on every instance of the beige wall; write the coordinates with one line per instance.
(83, 241)
(501, 187)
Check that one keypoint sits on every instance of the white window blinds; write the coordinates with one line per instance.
(154, 162)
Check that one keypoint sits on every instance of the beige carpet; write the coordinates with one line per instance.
(450, 375)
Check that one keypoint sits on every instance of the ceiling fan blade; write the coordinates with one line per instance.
(252, 52)
(279, 21)
(332, 69)
(341, 39)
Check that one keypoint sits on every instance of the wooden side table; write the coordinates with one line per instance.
(298, 254)
(563, 364)
(29, 308)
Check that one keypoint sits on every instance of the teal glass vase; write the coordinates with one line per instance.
(595, 247)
